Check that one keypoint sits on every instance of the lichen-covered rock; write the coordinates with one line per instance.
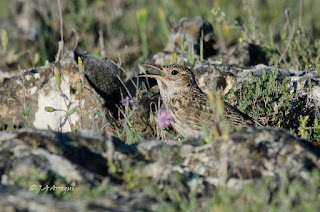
(74, 160)
(102, 75)
(191, 31)
(245, 54)
(78, 158)
(26, 93)
(183, 168)
(12, 199)
(250, 153)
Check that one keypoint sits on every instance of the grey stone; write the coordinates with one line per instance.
(192, 166)
(192, 30)
(34, 89)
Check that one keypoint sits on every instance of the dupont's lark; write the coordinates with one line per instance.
(188, 105)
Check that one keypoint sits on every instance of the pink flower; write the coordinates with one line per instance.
(132, 103)
(128, 100)
(163, 119)
(124, 101)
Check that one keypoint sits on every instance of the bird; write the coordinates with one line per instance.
(187, 105)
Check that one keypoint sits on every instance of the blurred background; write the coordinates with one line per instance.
(127, 31)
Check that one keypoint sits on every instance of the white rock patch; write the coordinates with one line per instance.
(50, 96)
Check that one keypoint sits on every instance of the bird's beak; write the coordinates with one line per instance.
(159, 77)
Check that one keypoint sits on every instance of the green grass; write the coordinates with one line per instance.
(264, 194)
(266, 96)
(269, 195)
(105, 30)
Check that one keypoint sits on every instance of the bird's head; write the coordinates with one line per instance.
(172, 77)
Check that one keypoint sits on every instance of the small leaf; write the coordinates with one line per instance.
(36, 58)
(57, 75)
(81, 66)
(49, 109)
(4, 39)
(72, 111)
(142, 69)
(79, 85)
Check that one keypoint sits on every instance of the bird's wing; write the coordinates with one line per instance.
(231, 114)
(200, 112)
(235, 117)
(192, 110)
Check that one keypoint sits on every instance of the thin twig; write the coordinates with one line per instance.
(61, 42)
(80, 106)
(289, 42)
(68, 116)
(300, 13)
(61, 21)
(125, 87)
(312, 128)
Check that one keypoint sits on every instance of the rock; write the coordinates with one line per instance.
(120, 200)
(102, 75)
(26, 93)
(77, 158)
(244, 54)
(87, 158)
(191, 29)
(21, 200)
(66, 160)
(247, 154)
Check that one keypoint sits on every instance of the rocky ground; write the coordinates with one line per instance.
(90, 158)
(44, 166)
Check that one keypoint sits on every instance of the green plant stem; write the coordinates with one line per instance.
(65, 102)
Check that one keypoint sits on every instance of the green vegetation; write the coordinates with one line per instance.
(125, 127)
(34, 176)
(287, 31)
(69, 112)
(288, 34)
(268, 195)
(272, 195)
(222, 129)
(265, 97)
(25, 103)
(130, 31)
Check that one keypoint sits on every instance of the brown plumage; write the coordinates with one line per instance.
(188, 105)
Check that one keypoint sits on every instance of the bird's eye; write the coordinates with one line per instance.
(174, 72)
